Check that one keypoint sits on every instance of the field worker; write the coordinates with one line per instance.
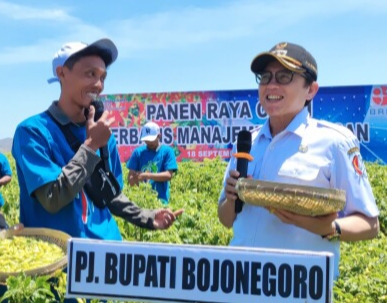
(291, 147)
(152, 162)
(52, 175)
(5, 178)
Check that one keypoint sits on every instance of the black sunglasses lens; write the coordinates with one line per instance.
(281, 77)
(264, 78)
(284, 77)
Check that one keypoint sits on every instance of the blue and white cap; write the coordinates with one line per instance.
(150, 131)
(71, 48)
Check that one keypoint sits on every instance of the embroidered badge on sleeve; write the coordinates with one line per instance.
(357, 161)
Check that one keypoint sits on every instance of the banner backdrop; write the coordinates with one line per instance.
(201, 125)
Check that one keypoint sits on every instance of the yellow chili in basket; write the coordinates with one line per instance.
(27, 253)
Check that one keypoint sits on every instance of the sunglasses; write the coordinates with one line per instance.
(281, 77)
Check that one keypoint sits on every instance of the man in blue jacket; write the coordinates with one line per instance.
(52, 176)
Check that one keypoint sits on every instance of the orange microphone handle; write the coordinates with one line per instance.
(246, 156)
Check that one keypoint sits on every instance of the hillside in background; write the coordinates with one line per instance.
(5, 145)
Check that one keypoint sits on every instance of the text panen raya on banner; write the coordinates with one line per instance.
(201, 125)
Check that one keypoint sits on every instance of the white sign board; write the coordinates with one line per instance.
(193, 273)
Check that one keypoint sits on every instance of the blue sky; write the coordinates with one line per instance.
(175, 45)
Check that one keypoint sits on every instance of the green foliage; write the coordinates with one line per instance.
(363, 265)
(377, 175)
(10, 193)
(26, 289)
(363, 268)
(196, 188)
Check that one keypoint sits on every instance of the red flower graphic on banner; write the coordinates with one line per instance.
(125, 152)
(117, 110)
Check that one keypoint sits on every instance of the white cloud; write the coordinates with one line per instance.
(43, 50)
(23, 12)
(28, 53)
(179, 28)
(239, 19)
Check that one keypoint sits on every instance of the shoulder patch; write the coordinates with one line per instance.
(353, 150)
(357, 162)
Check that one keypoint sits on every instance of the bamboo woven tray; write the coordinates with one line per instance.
(303, 200)
(48, 235)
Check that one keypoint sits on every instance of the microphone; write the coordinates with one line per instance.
(103, 151)
(99, 109)
(243, 157)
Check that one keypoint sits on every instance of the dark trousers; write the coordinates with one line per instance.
(3, 223)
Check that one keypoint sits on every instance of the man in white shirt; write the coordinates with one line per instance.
(291, 147)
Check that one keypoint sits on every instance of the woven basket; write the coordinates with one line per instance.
(48, 235)
(303, 200)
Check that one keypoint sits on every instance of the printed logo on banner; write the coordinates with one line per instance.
(379, 95)
(378, 104)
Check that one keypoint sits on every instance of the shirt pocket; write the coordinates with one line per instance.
(295, 172)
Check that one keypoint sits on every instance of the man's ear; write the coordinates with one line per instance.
(312, 90)
(59, 72)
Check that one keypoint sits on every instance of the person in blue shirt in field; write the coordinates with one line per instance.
(153, 162)
(5, 178)
(52, 175)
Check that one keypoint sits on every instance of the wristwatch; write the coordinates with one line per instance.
(335, 235)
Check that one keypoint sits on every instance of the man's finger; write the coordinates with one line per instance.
(178, 212)
(91, 114)
(104, 115)
(168, 218)
(234, 174)
(110, 121)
